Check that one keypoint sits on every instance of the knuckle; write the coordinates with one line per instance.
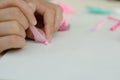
(15, 11)
(16, 41)
(13, 40)
(17, 29)
(52, 11)
(14, 27)
(59, 8)
(19, 16)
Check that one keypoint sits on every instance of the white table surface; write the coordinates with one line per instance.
(78, 54)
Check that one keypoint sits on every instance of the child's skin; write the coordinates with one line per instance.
(17, 15)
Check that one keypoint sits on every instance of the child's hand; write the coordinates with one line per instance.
(49, 17)
(15, 17)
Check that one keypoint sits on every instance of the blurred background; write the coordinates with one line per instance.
(105, 3)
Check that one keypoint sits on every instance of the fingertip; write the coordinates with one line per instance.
(46, 43)
(49, 38)
(33, 8)
(33, 21)
(48, 33)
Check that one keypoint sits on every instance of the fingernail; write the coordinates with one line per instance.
(34, 22)
(32, 6)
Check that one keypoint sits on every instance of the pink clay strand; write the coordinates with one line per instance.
(115, 26)
(38, 36)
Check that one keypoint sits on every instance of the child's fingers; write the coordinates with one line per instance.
(11, 28)
(11, 41)
(32, 6)
(49, 23)
(52, 15)
(48, 14)
(23, 6)
(13, 13)
(58, 15)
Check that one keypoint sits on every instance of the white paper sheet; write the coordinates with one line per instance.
(78, 54)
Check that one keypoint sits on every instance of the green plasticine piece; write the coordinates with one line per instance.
(98, 10)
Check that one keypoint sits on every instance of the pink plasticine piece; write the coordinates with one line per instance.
(38, 36)
(112, 18)
(66, 8)
(115, 26)
(64, 22)
(100, 24)
(64, 26)
(109, 18)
